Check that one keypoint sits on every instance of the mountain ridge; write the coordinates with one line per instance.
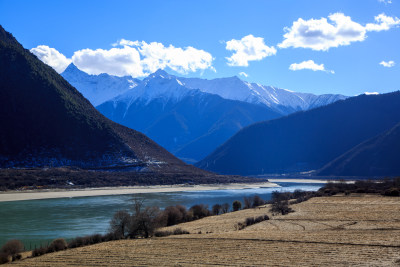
(305, 140)
(46, 122)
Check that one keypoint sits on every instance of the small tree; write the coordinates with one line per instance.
(199, 211)
(119, 223)
(143, 222)
(57, 245)
(216, 209)
(257, 201)
(281, 206)
(236, 205)
(225, 208)
(247, 202)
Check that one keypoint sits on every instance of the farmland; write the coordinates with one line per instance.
(361, 230)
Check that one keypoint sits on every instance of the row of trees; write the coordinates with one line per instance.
(143, 221)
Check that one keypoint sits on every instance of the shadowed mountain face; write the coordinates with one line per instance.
(306, 140)
(378, 156)
(47, 122)
(188, 123)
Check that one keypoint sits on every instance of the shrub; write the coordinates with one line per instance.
(12, 248)
(179, 231)
(39, 251)
(394, 192)
(236, 205)
(280, 206)
(199, 211)
(162, 233)
(4, 258)
(57, 245)
(76, 242)
(174, 215)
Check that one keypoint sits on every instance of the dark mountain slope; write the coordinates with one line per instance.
(306, 140)
(188, 123)
(47, 122)
(379, 156)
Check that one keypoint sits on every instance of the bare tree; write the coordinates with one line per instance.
(236, 205)
(225, 208)
(119, 223)
(216, 209)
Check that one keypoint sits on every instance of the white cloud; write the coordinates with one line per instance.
(116, 61)
(249, 48)
(132, 58)
(337, 30)
(383, 23)
(385, 1)
(183, 60)
(309, 65)
(51, 57)
(387, 64)
(243, 74)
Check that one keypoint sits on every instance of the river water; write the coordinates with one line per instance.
(36, 222)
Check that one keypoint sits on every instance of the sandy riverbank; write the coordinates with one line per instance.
(305, 181)
(88, 192)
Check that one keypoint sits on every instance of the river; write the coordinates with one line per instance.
(36, 222)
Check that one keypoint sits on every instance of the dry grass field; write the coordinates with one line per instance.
(357, 230)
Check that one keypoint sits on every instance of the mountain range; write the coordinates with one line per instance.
(47, 122)
(191, 117)
(378, 156)
(309, 140)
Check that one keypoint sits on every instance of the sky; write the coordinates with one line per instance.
(333, 46)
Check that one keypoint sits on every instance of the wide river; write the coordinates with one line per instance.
(36, 222)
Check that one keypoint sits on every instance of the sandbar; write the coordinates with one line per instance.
(105, 191)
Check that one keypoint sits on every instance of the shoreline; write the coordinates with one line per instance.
(107, 191)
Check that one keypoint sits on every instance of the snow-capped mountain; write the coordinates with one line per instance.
(190, 117)
(281, 100)
(98, 88)
(189, 123)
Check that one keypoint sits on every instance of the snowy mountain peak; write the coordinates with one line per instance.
(98, 88)
(72, 69)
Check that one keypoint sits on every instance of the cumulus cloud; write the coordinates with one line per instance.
(309, 65)
(183, 60)
(387, 64)
(249, 48)
(116, 61)
(338, 30)
(244, 74)
(51, 57)
(382, 23)
(134, 58)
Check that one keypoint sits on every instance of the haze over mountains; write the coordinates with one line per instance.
(47, 122)
(191, 117)
(309, 140)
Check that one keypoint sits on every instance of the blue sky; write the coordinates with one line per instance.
(225, 38)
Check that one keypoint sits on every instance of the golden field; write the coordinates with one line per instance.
(356, 230)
